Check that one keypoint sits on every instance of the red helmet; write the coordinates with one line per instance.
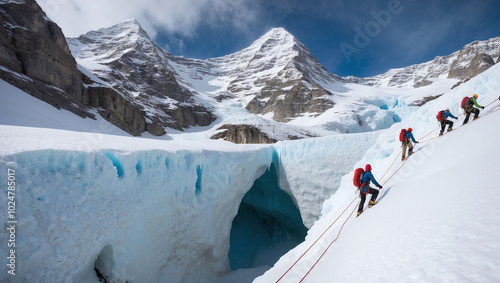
(368, 167)
(410, 129)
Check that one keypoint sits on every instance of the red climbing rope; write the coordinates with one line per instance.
(328, 245)
(391, 165)
(316, 240)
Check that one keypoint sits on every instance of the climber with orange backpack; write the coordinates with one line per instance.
(442, 117)
(362, 181)
(405, 137)
(468, 106)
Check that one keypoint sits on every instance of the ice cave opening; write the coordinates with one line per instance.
(268, 225)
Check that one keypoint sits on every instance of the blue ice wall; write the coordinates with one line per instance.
(268, 224)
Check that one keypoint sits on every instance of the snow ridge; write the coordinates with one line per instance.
(424, 74)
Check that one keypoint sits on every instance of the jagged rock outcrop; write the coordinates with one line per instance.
(243, 134)
(37, 59)
(118, 111)
(290, 99)
(480, 63)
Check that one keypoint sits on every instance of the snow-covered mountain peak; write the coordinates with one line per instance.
(276, 37)
(126, 58)
(129, 30)
(108, 44)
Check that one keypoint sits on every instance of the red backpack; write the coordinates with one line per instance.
(464, 101)
(402, 135)
(358, 174)
(439, 116)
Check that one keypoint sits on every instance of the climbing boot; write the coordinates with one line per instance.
(450, 129)
(372, 203)
(359, 213)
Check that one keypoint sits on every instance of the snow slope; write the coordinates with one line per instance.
(435, 221)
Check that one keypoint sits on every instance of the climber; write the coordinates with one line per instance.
(469, 108)
(408, 137)
(365, 189)
(442, 117)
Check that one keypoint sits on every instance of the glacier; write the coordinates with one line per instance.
(162, 211)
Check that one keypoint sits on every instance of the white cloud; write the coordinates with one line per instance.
(172, 16)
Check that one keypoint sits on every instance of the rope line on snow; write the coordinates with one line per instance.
(492, 102)
(316, 240)
(391, 165)
(404, 162)
(338, 235)
(328, 245)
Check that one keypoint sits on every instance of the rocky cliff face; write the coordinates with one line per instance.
(243, 134)
(36, 58)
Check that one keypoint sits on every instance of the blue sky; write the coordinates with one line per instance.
(356, 37)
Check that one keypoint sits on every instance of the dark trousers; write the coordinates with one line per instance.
(371, 191)
(473, 110)
(443, 125)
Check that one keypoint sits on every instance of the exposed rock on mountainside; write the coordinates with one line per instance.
(119, 112)
(243, 134)
(480, 63)
(36, 57)
(290, 101)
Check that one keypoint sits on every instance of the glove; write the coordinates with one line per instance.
(416, 142)
(380, 187)
(482, 107)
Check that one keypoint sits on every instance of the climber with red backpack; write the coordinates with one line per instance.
(405, 137)
(468, 106)
(362, 181)
(442, 117)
